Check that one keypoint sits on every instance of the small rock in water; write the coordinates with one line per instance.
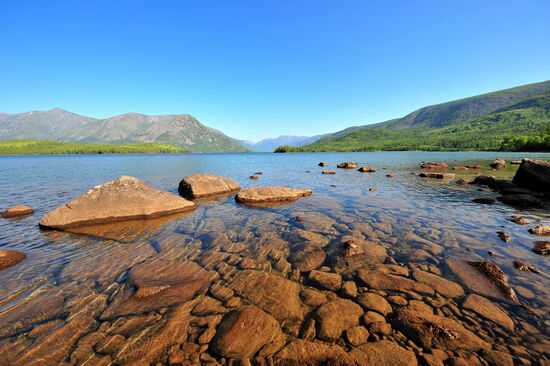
(484, 200)
(254, 177)
(434, 165)
(299, 219)
(496, 276)
(16, 211)
(258, 173)
(391, 175)
(323, 163)
(270, 194)
(366, 169)
(463, 182)
(437, 175)
(542, 247)
(328, 172)
(333, 185)
(505, 237)
(522, 266)
(491, 253)
(542, 230)
(498, 164)
(372, 189)
(9, 258)
(520, 220)
(347, 165)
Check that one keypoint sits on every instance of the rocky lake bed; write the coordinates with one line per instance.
(266, 259)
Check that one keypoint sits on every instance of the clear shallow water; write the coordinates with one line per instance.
(74, 266)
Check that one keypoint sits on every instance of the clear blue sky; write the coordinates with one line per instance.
(256, 69)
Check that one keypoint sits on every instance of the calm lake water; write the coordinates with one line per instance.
(402, 212)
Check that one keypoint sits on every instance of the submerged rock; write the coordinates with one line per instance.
(335, 317)
(445, 287)
(325, 280)
(125, 198)
(347, 165)
(274, 294)
(534, 175)
(9, 258)
(433, 331)
(270, 194)
(366, 169)
(496, 276)
(489, 310)
(382, 281)
(434, 165)
(504, 236)
(372, 301)
(203, 185)
(17, 211)
(383, 353)
(304, 353)
(160, 283)
(308, 257)
(254, 177)
(244, 332)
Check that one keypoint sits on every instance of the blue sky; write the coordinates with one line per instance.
(257, 69)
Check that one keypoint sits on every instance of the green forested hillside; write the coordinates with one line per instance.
(34, 147)
(524, 125)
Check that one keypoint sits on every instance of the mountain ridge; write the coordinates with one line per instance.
(182, 130)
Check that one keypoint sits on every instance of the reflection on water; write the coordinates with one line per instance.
(70, 282)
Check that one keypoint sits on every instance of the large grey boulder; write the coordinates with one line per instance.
(534, 175)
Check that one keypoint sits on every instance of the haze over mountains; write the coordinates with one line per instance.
(270, 144)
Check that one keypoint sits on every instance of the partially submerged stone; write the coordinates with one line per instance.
(541, 230)
(17, 211)
(383, 353)
(489, 310)
(203, 185)
(323, 163)
(347, 165)
(496, 276)
(520, 200)
(534, 175)
(125, 198)
(366, 169)
(542, 247)
(520, 220)
(9, 258)
(437, 175)
(522, 266)
(498, 164)
(258, 195)
(434, 165)
(328, 172)
(353, 253)
(433, 331)
(244, 332)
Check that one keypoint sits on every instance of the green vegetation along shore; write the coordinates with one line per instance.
(472, 124)
(36, 147)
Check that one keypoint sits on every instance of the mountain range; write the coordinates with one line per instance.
(515, 118)
(490, 121)
(181, 130)
(270, 144)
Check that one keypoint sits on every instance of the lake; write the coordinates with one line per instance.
(63, 302)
